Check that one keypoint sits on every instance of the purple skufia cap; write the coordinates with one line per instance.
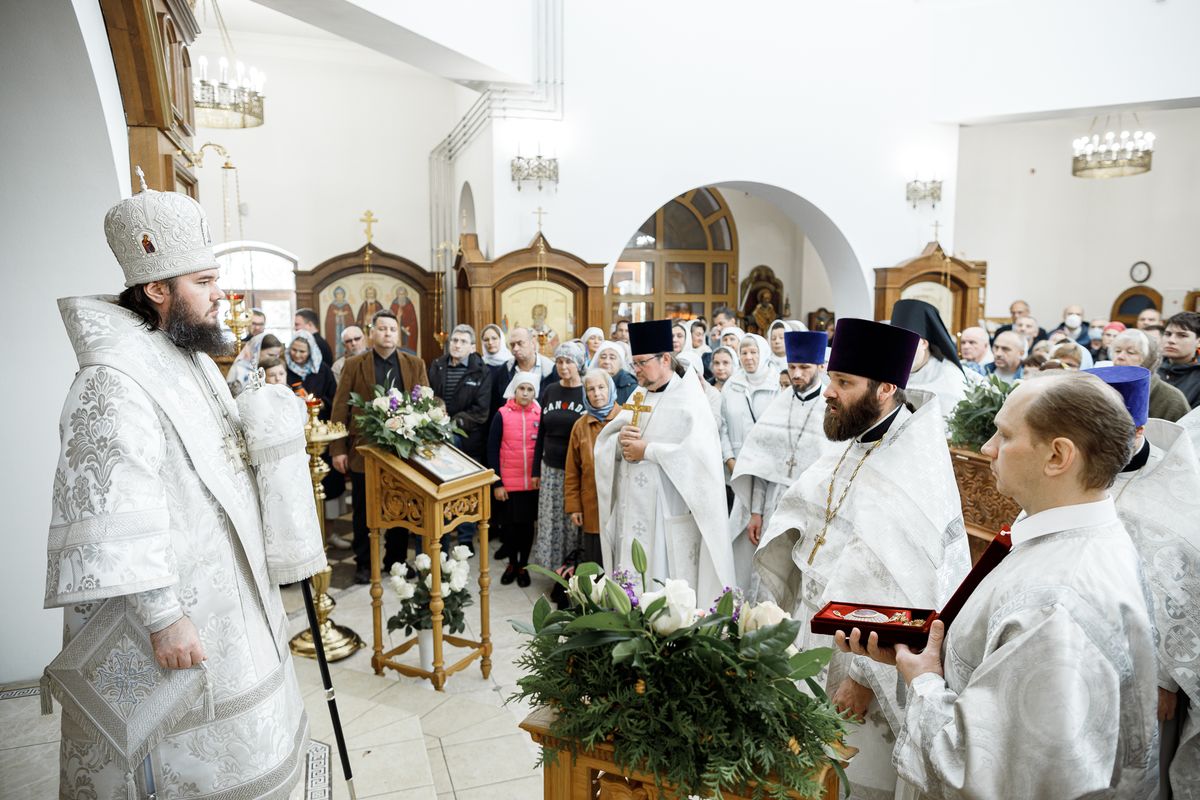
(805, 347)
(1133, 384)
(650, 338)
(873, 350)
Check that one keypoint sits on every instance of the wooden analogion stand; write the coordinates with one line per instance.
(401, 494)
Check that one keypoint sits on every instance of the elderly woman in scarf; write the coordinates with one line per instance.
(746, 395)
(306, 371)
(611, 358)
(731, 337)
(261, 346)
(580, 499)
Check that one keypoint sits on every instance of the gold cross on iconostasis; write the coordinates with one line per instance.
(539, 214)
(370, 219)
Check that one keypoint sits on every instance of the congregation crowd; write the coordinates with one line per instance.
(535, 419)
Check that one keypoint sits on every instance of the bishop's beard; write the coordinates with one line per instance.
(851, 420)
(194, 333)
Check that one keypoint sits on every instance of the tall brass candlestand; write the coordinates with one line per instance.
(238, 318)
(339, 641)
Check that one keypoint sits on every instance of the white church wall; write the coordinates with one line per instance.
(474, 166)
(66, 165)
(346, 130)
(1052, 239)
(654, 109)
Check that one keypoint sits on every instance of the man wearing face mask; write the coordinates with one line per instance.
(1157, 496)
(877, 516)
(1075, 326)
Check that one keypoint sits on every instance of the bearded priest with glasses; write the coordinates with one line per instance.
(659, 476)
(877, 519)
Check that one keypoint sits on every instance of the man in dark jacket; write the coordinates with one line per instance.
(464, 384)
(1180, 366)
(525, 359)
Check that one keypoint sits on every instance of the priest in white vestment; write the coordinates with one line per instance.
(659, 481)
(877, 518)
(786, 439)
(155, 507)
(1158, 499)
(1046, 684)
(935, 367)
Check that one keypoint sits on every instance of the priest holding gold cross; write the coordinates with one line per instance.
(659, 476)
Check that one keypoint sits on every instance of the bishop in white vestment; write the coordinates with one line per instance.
(876, 519)
(785, 440)
(1045, 685)
(659, 477)
(1158, 499)
(155, 501)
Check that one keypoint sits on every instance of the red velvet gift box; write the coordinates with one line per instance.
(910, 626)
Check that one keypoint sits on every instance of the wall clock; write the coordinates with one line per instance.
(1139, 272)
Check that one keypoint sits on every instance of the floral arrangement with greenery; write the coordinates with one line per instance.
(973, 420)
(706, 701)
(403, 422)
(414, 613)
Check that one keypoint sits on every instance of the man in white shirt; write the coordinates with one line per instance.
(1047, 684)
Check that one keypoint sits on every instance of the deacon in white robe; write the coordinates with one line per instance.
(1190, 422)
(935, 367)
(1046, 684)
(659, 482)
(877, 519)
(1158, 499)
(786, 439)
(154, 500)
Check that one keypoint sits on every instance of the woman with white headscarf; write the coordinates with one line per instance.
(610, 357)
(732, 336)
(494, 346)
(591, 340)
(260, 346)
(746, 395)
(306, 370)
(724, 366)
(774, 338)
(697, 342)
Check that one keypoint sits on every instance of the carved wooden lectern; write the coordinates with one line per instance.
(401, 495)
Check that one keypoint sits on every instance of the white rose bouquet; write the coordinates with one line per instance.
(708, 701)
(414, 592)
(404, 422)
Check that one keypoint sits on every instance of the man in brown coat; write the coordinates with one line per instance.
(382, 365)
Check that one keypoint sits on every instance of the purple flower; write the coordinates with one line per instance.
(395, 402)
(415, 394)
(624, 579)
(739, 599)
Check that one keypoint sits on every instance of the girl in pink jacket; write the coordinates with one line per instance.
(511, 454)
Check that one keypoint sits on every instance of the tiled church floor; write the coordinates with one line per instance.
(406, 740)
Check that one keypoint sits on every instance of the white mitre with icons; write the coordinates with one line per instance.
(158, 235)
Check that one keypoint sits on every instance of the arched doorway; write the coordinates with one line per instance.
(466, 210)
(266, 275)
(680, 264)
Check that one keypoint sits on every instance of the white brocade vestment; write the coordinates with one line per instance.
(673, 500)
(788, 437)
(898, 539)
(152, 500)
(1050, 679)
(1160, 507)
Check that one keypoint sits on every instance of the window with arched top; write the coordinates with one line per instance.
(680, 264)
(266, 275)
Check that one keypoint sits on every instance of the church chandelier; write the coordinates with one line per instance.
(1113, 154)
(227, 100)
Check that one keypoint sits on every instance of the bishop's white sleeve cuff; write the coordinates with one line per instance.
(157, 608)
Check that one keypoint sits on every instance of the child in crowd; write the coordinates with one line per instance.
(511, 444)
(275, 369)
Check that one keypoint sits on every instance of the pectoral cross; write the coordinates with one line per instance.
(635, 405)
(791, 464)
